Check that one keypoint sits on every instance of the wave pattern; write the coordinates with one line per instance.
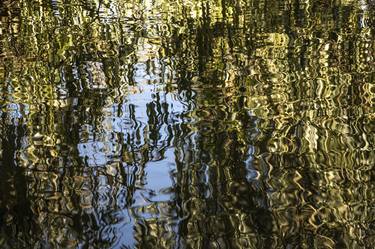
(150, 124)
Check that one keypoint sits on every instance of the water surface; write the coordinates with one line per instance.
(187, 124)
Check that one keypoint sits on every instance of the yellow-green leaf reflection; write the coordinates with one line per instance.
(187, 124)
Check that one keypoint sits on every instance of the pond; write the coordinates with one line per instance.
(187, 124)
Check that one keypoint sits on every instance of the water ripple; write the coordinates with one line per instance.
(186, 124)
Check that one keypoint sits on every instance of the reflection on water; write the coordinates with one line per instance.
(187, 124)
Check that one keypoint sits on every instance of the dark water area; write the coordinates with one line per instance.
(187, 124)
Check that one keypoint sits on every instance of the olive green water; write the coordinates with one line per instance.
(187, 124)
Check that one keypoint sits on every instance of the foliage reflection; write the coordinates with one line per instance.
(192, 124)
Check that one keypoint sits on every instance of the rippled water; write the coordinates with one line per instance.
(187, 124)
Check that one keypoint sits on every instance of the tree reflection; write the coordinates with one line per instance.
(208, 124)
